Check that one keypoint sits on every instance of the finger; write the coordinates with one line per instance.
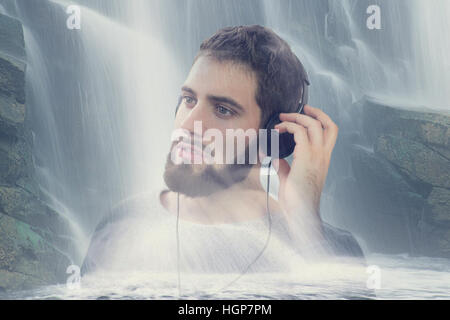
(300, 133)
(330, 128)
(314, 127)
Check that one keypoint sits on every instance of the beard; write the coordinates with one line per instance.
(200, 180)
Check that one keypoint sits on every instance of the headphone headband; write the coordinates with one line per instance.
(304, 98)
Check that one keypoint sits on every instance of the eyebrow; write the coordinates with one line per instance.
(220, 99)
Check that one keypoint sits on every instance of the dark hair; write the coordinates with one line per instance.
(279, 72)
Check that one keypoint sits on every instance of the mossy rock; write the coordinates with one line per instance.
(28, 257)
(24, 206)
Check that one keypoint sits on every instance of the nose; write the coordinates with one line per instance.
(188, 117)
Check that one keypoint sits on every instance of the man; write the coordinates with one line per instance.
(240, 77)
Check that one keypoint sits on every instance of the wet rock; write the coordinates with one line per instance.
(15, 159)
(35, 240)
(11, 35)
(428, 127)
(439, 201)
(415, 159)
(27, 259)
(404, 171)
(12, 97)
(12, 79)
(386, 207)
(24, 206)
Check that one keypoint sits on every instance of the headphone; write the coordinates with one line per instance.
(286, 139)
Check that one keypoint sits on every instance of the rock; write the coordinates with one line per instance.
(17, 281)
(384, 204)
(407, 175)
(12, 108)
(439, 201)
(11, 37)
(24, 206)
(430, 128)
(35, 241)
(415, 159)
(12, 77)
(15, 159)
(443, 243)
(12, 85)
(26, 257)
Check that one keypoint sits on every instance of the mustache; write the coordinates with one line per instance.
(193, 143)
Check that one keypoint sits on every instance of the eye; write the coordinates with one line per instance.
(188, 100)
(224, 112)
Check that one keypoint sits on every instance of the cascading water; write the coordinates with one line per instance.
(102, 98)
(93, 111)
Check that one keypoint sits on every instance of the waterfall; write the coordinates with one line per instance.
(431, 52)
(101, 99)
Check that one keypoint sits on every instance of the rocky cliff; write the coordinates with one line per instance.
(399, 195)
(33, 237)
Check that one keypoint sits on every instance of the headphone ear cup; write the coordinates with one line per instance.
(286, 140)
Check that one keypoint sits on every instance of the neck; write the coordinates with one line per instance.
(243, 201)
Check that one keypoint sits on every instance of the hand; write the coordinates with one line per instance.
(301, 184)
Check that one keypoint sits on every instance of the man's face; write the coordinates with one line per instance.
(221, 96)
